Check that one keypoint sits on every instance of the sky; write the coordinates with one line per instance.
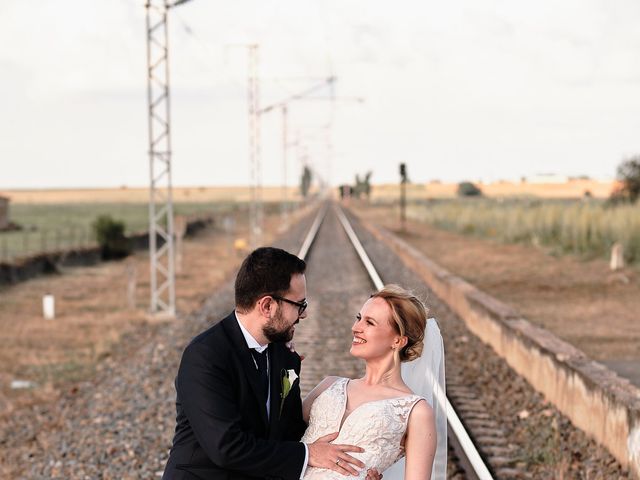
(458, 90)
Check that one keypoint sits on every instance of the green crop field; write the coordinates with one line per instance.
(588, 228)
(68, 225)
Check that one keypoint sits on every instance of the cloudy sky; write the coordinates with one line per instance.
(462, 89)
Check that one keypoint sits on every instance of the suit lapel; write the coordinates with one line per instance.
(277, 364)
(232, 329)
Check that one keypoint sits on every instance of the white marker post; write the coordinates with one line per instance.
(48, 307)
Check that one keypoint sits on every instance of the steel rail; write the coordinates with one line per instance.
(473, 458)
(313, 231)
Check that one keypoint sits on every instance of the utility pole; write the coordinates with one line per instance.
(403, 196)
(284, 108)
(285, 145)
(162, 261)
(256, 212)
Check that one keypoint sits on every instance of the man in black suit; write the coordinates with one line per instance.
(236, 417)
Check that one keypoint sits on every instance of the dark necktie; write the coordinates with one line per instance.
(261, 361)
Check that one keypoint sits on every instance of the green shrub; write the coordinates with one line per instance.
(629, 176)
(110, 236)
(468, 189)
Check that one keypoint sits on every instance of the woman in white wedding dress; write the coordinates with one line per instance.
(380, 412)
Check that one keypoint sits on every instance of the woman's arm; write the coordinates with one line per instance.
(313, 394)
(420, 443)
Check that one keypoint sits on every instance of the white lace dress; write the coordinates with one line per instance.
(377, 426)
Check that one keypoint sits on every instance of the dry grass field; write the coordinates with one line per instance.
(93, 314)
(570, 189)
(580, 300)
(141, 195)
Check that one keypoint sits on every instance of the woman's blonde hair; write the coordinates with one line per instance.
(408, 318)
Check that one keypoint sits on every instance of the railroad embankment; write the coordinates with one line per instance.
(597, 400)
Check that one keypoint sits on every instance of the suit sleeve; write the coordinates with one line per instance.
(205, 389)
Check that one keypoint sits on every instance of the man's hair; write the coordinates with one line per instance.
(266, 271)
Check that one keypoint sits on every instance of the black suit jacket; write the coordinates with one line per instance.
(222, 429)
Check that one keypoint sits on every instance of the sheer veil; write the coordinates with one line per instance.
(425, 376)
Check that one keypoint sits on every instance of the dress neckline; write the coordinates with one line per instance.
(344, 419)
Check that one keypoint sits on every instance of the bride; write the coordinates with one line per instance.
(394, 413)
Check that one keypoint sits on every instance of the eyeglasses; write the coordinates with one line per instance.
(302, 306)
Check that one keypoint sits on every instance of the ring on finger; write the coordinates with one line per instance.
(338, 462)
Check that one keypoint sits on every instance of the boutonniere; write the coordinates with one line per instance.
(288, 379)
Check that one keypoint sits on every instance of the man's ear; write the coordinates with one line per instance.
(265, 306)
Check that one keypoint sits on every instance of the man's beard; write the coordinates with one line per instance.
(276, 330)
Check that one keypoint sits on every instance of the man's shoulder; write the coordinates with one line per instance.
(214, 336)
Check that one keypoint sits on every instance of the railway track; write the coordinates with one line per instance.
(333, 255)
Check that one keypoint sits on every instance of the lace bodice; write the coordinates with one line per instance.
(377, 426)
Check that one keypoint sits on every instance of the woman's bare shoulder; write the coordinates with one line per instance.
(421, 413)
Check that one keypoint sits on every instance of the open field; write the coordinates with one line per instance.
(61, 218)
(584, 227)
(579, 300)
(93, 315)
(141, 195)
(204, 194)
(570, 189)
(53, 226)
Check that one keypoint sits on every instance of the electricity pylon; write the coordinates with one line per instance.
(161, 253)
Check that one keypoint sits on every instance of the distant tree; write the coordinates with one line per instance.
(111, 238)
(363, 186)
(305, 181)
(468, 189)
(367, 184)
(629, 176)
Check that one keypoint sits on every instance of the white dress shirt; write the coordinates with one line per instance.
(252, 343)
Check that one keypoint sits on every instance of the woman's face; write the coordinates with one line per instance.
(373, 335)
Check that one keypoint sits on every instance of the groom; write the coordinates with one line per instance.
(239, 413)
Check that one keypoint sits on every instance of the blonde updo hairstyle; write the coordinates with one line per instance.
(408, 318)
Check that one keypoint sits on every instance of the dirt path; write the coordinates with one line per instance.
(582, 302)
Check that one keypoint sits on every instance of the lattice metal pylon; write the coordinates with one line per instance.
(161, 232)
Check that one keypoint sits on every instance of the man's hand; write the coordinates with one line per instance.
(372, 474)
(334, 457)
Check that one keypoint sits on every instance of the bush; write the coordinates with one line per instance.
(629, 177)
(468, 189)
(111, 238)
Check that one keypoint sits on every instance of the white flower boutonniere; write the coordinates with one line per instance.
(289, 377)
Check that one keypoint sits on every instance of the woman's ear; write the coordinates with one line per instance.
(400, 342)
